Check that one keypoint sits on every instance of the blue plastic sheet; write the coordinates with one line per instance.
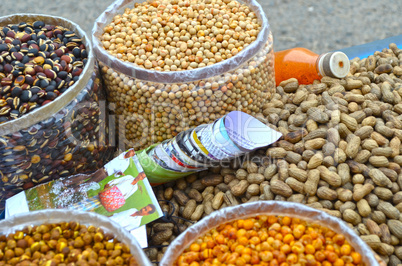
(364, 50)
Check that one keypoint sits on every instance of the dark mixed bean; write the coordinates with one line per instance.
(72, 141)
(38, 62)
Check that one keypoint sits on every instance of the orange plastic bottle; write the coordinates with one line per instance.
(307, 66)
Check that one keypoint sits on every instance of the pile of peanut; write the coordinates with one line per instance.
(340, 152)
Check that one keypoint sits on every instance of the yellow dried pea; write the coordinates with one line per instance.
(63, 244)
(171, 35)
(270, 240)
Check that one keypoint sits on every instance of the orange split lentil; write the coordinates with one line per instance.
(270, 240)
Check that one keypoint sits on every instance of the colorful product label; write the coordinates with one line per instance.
(197, 142)
(206, 145)
(209, 143)
(171, 161)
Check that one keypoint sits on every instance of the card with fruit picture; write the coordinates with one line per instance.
(120, 190)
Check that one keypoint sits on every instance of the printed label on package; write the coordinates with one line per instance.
(206, 138)
(221, 139)
(195, 138)
(168, 147)
(163, 156)
(191, 150)
(182, 155)
(161, 163)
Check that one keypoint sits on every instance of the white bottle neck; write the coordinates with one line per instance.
(333, 64)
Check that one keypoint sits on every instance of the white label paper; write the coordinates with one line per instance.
(248, 132)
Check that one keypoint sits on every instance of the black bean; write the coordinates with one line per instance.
(51, 95)
(16, 42)
(62, 90)
(49, 62)
(14, 27)
(5, 30)
(3, 47)
(35, 89)
(16, 91)
(69, 34)
(44, 47)
(62, 74)
(44, 83)
(50, 88)
(25, 59)
(22, 25)
(29, 79)
(26, 95)
(77, 52)
(20, 66)
(84, 53)
(34, 98)
(14, 114)
(28, 30)
(38, 24)
(60, 84)
(36, 82)
(9, 101)
(43, 54)
(16, 73)
(13, 49)
(5, 90)
(42, 36)
(32, 52)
